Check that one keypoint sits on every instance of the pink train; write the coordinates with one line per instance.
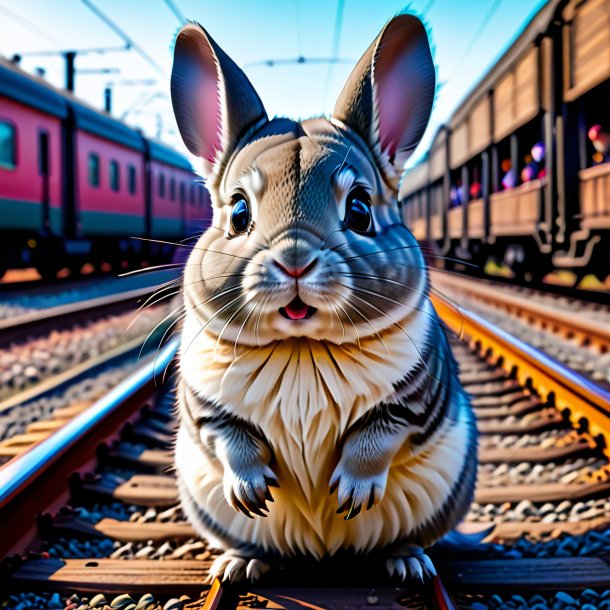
(77, 185)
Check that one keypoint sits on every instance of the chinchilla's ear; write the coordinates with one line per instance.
(388, 97)
(214, 102)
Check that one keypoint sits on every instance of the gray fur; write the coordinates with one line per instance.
(297, 177)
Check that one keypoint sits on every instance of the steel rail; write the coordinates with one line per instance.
(29, 485)
(15, 328)
(63, 380)
(597, 332)
(549, 378)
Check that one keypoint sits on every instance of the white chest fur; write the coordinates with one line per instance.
(302, 394)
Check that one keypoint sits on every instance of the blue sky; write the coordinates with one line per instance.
(251, 31)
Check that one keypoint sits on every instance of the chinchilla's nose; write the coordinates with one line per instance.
(296, 272)
(295, 252)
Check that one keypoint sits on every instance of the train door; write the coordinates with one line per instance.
(44, 171)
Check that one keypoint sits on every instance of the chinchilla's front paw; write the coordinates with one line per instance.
(356, 488)
(247, 488)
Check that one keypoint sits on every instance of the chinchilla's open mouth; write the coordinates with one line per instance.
(297, 310)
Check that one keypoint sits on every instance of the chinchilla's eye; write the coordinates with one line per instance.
(240, 215)
(358, 216)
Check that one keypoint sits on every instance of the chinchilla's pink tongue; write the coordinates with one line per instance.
(296, 309)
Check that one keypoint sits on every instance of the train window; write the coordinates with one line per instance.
(115, 176)
(131, 174)
(162, 185)
(172, 189)
(8, 145)
(94, 169)
(182, 193)
(43, 153)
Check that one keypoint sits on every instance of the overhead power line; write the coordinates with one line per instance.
(298, 24)
(495, 5)
(31, 25)
(335, 46)
(124, 36)
(271, 63)
(131, 82)
(143, 100)
(98, 50)
(173, 7)
(427, 8)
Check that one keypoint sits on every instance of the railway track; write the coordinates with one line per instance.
(19, 299)
(577, 333)
(59, 317)
(101, 488)
(55, 362)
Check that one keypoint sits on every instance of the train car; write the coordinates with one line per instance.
(413, 196)
(198, 209)
(77, 185)
(110, 194)
(583, 137)
(521, 171)
(31, 164)
(170, 174)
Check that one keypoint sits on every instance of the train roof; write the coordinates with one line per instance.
(31, 91)
(535, 27)
(105, 126)
(37, 93)
(164, 154)
(414, 179)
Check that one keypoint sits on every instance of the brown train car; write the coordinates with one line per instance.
(513, 174)
(584, 185)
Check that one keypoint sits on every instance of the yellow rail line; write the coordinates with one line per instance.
(552, 380)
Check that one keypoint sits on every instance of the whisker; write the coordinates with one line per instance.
(215, 277)
(220, 294)
(161, 342)
(366, 320)
(140, 312)
(204, 326)
(226, 325)
(167, 317)
(394, 322)
(179, 245)
(454, 305)
(150, 269)
(258, 321)
(350, 319)
(168, 286)
(349, 150)
(198, 235)
(432, 315)
(242, 328)
(149, 302)
(378, 294)
(340, 229)
(455, 260)
(338, 318)
(407, 247)
(382, 278)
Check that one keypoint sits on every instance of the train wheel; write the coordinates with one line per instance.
(516, 258)
(48, 270)
(526, 262)
(49, 259)
(75, 267)
(536, 273)
(5, 250)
